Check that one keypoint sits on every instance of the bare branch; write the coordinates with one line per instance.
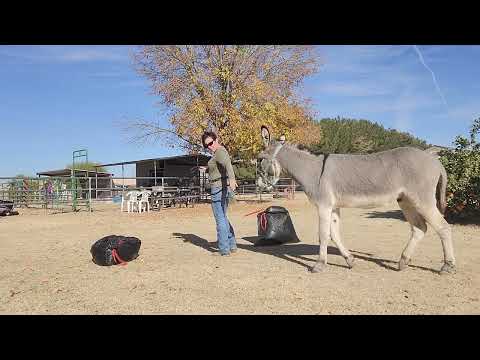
(141, 131)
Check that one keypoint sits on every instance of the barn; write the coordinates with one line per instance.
(171, 170)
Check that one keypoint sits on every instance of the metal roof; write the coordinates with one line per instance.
(68, 172)
(189, 159)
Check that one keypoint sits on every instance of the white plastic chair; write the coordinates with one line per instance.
(131, 198)
(144, 200)
(124, 200)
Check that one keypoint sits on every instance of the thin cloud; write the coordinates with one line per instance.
(466, 112)
(434, 78)
(374, 81)
(352, 89)
(66, 54)
(133, 83)
(410, 101)
(363, 71)
(360, 58)
(89, 55)
(107, 74)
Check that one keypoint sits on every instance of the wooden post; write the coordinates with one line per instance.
(293, 189)
(96, 183)
(155, 170)
(90, 194)
(123, 182)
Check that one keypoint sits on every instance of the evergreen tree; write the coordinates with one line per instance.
(350, 136)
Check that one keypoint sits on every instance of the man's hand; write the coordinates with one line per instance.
(233, 185)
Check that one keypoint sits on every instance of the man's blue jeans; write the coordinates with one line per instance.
(225, 233)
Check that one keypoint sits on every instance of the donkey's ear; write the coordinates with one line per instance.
(265, 136)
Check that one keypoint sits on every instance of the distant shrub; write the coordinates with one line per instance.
(463, 168)
(350, 136)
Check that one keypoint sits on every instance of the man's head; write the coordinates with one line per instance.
(209, 141)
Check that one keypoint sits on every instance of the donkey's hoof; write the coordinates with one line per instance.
(350, 261)
(403, 263)
(317, 268)
(448, 269)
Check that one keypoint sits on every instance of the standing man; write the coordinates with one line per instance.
(223, 185)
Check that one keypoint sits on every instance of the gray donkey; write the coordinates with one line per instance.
(407, 175)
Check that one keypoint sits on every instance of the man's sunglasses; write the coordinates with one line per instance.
(209, 144)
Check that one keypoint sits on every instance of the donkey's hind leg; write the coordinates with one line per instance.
(418, 230)
(335, 234)
(433, 217)
(324, 222)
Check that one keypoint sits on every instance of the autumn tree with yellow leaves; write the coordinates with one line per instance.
(231, 89)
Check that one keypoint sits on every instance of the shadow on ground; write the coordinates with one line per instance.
(296, 253)
(472, 220)
(198, 241)
(253, 202)
(391, 214)
(398, 215)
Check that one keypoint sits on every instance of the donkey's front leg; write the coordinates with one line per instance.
(324, 219)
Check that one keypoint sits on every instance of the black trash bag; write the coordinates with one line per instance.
(6, 208)
(6, 204)
(114, 250)
(275, 227)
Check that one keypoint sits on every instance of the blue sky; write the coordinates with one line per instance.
(57, 99)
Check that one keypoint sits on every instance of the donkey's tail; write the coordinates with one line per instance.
(442, 190)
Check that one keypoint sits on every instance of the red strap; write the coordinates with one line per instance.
(118, 260)
(263, 221)
(253, 212)
(263, 218)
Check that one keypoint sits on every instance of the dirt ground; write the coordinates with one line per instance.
(46, 267)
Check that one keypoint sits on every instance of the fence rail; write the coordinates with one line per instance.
(72, 192)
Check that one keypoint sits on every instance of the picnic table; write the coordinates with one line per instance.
(171, 196)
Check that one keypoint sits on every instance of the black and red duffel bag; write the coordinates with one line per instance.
(114, 250)
(275, 227)
(6, 208)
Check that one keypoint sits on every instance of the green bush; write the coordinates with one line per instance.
(463, 168)
(244, 171)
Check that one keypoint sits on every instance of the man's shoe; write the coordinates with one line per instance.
(220, 254)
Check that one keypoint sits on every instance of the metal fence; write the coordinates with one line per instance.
(49, 193)
(285, 187)
(73, 193)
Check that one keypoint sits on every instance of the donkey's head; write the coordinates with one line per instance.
(270, 168)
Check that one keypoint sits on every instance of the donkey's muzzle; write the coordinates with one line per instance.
(264, 185)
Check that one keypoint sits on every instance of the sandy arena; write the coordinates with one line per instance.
(46, 265)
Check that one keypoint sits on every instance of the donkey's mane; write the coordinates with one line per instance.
(294, 160)
(300, 153)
